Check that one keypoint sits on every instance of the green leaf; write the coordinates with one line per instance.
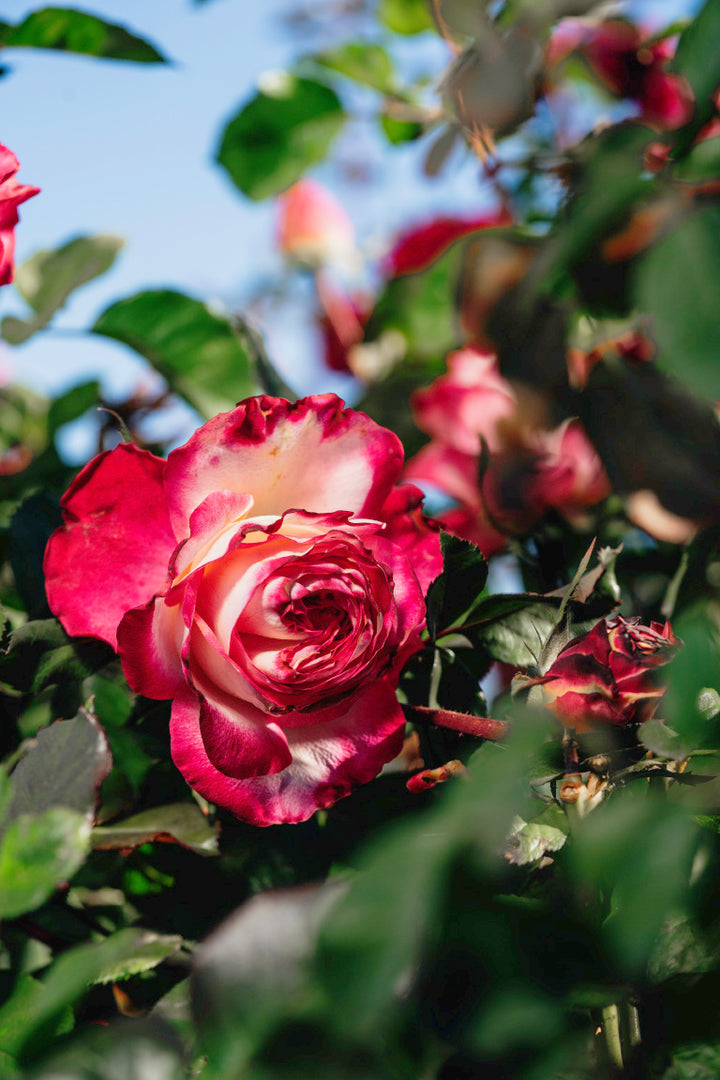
(78, 32)
(142, 1049)
(249, 973)
(400, 131)
(405, 16)
(684, 948)
(72, 404)
(662, 740)
(38, 853)
(696, 57)
(701, 163)
(458, 589)
(279, 134)
(65, 767)
(674, 284)
(46, 280)
(530, 841)
(641, 848)
(78, 969)
(364, 62)
(694, 669)
(422, 307)
(15, 1010)
(180, 823)
(31, 526)
(694, 1061)
(194, 349)
(41, 654)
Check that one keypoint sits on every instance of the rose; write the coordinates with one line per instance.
(270, 579)
(11, 195)
(313, 228)
(472, 410)
(629, 64)
(609, 675)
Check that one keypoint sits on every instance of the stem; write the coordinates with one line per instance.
(435, 677)
(635, 1035)
(611, 1030)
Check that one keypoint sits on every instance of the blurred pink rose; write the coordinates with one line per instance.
(630, 66)
(269, 577)
(416, 248)
(528, 470)
(11, 195)
(313, 228)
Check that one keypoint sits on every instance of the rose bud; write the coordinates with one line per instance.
(313, 228)
(609, 675)
(270, 579)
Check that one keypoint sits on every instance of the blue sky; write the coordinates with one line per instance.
(127, 149)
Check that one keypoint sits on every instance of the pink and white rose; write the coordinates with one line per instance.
(269, 578)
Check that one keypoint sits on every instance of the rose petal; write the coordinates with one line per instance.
(113, 552)
(412, 533)
(242, 742)
(311, 455)
(329, 759)
(150, 641)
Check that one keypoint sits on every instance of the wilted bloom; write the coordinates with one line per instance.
(11, 195)
(269, 577)
(313, 228)
(610, 674)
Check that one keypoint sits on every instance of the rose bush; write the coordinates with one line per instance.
(269, 577)
(609, 675)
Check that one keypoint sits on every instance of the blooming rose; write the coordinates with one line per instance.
(609, 675)
(270, 579)
(11, 195)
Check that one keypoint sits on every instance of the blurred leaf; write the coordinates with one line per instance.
(421, 306)
(405, 16)
(14, 1011)
(78, 32)
(364, 62)
(138, 1049)
(180, 823)
(31, 526)
(695, 1061)
(148, 951)
(679, 433)
(195, 350)
(374, 939)
(46, 280)
(458, 589)
(492, 83)
(696, 57)
(673, 284)
(71, 975)
(72, 404)
(279, 134)
(695, 668)
(38, 853)
(609, 180)
(701, 163)
(400, 131)
(642, 849)
(65, 767)
(250, 971)
(684, 948)
(662, 740)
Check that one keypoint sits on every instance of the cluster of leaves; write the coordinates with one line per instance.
(484, 928)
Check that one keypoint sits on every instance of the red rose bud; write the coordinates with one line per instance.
(609, 675)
